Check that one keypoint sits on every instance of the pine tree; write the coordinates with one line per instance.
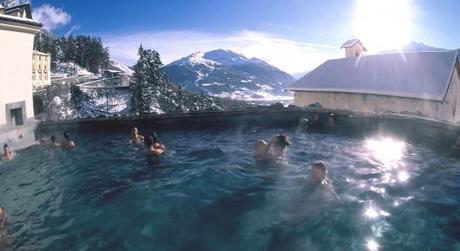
(147, 77)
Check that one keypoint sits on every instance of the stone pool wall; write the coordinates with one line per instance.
(415, 129)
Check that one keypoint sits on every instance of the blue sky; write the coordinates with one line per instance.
(295, 35)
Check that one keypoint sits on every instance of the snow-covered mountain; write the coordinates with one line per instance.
(228, 74)
(415, 47)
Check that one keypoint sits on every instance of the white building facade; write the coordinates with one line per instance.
(41, 72)
(17, 30)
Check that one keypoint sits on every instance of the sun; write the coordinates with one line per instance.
(383, 24)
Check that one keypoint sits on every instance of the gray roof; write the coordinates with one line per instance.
(423, 75)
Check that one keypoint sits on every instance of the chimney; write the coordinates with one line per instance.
(353, 48)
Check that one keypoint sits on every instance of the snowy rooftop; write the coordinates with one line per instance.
(424, 75)
(19, 20)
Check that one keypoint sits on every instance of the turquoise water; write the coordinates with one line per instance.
(207, 193)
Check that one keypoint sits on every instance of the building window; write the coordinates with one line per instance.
(16, 117)
(15, 113)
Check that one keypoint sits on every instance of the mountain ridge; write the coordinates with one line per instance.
(226, 73)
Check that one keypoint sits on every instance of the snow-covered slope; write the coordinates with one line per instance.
(63, 70)
(228, 74)
(115, 65)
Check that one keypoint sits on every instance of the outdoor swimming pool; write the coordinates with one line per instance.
(207, 194)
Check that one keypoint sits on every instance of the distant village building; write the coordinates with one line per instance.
(17, 30)
(41, 72)
(424, 84)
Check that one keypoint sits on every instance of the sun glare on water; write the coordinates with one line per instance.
(386, 150)
(383, 24)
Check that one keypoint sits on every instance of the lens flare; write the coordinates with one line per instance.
(383, 24)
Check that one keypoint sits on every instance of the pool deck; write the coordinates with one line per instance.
(413, 128)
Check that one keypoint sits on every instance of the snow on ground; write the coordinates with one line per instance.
(200, 76)
(212, 84)
(197, 58)
(254, 96)
(122, 67)
(63, 70)
(265, 87)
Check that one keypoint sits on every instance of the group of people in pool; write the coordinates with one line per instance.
(320, 190)
(265, 153)
(67, 143)
(151, 143)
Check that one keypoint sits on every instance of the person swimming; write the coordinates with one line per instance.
(7, 153)
(321, 190)
(136, 138)
(68, 141)
(153, 146)
(277, 145)
(54, 142)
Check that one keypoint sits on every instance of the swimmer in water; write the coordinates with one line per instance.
(153, 146)
(7, 153)
(136, 138)
(54, 142)
(68, 141)
(278, 145)
(322, 190)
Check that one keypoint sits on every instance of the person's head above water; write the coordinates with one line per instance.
(282, 141)
(318, 171)
(6, 148)
(134, 131)
(154, 138)
(67, 136)
(148, 141)
(53, 139)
